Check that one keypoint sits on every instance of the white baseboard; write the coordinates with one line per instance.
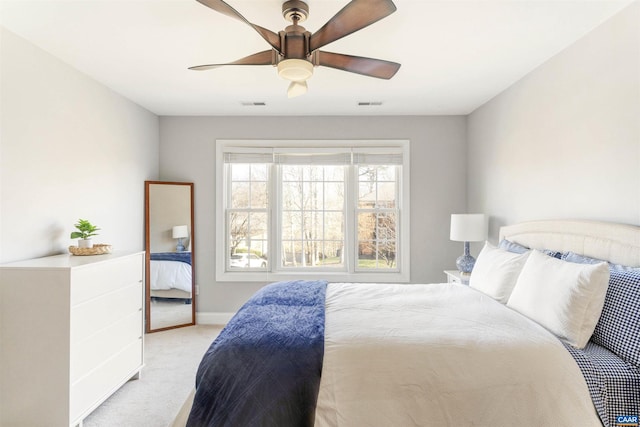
(213, 318)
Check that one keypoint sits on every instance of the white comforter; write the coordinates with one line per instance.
(442, 355)
(170, 275)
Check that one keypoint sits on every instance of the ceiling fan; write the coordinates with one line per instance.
(295, 51)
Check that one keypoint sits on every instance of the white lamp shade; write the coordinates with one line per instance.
(468, 227)
(180, 231)
(297, 89)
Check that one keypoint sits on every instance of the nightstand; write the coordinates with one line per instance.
(454, 276)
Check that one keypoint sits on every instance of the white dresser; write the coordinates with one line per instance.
(71, 335)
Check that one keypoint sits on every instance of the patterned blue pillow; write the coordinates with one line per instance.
(619, 326)
(512, 247)
(519, 249)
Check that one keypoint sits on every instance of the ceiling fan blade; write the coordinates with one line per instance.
(220, 6)
(266, 57)
(357, 64)
(353, 17)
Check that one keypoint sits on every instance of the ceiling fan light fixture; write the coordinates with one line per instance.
(295, 70)
(297, 89)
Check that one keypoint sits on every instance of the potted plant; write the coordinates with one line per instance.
(86, 230)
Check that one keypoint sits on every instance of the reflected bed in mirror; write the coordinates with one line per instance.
(170, 282)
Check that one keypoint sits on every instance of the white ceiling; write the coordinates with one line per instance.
(455, 55)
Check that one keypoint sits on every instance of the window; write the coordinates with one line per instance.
(377, 214)
(312, 216)
(322, 208)
(247, 214)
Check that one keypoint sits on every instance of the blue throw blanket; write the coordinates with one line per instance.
(172, 256)
(264, 368)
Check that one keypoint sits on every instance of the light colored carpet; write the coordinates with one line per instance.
(171, 360)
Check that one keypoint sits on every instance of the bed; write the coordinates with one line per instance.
(171, 275)
(547, 333)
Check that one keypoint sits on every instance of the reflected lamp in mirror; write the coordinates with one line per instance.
(467, 228)
(180, 232)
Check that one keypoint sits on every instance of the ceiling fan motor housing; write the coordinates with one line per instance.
(295, 42)
(294, 64)
(295, 10)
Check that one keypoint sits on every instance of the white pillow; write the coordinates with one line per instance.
(496, 271)
(564, 297)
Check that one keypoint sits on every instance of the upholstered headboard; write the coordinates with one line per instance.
(617, 243)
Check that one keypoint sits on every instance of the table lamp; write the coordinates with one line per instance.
(180, 232)
(467, 228)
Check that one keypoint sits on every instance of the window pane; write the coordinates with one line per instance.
(260, 250)
(377, 240)
(239, 195)
(248, 243)
(291, 196)
(366, 195)
(292, 253)
(386, 173)
(291, 225)
(366, 225)
(386, 226)
(312, 252)
(312, 225)
(367, 254)
(313, 173)
(312, 196)
(367, 173)
(291, 173)
(387, 254)
(386, 195)
(377, 187)
(334, 226)
(332, 254)
(377, 255)
(258, 225)
(334, 173)
(259, 172)
(334, 196)
(259, 195)
(240, 171)
(238, 230)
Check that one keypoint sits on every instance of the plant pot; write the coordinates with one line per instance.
(85, 243)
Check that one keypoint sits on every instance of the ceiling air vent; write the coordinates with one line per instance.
(370, 104)
(254, 104)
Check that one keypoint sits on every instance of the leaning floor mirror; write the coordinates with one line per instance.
(170, 254)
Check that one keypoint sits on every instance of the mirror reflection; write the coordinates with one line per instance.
(169, 255)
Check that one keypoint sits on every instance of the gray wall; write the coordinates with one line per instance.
(70, 148)
(438, 159)
(564, 142)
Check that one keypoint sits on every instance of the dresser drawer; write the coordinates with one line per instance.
(101, 278)
(94, 315)
(94, 388)
(103, 345)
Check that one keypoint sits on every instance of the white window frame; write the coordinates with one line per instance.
(400, 274)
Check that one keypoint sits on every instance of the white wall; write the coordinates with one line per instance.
(187, 153)
(564, 142)
(69, 148)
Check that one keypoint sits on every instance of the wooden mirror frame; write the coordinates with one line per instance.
(148, 328)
